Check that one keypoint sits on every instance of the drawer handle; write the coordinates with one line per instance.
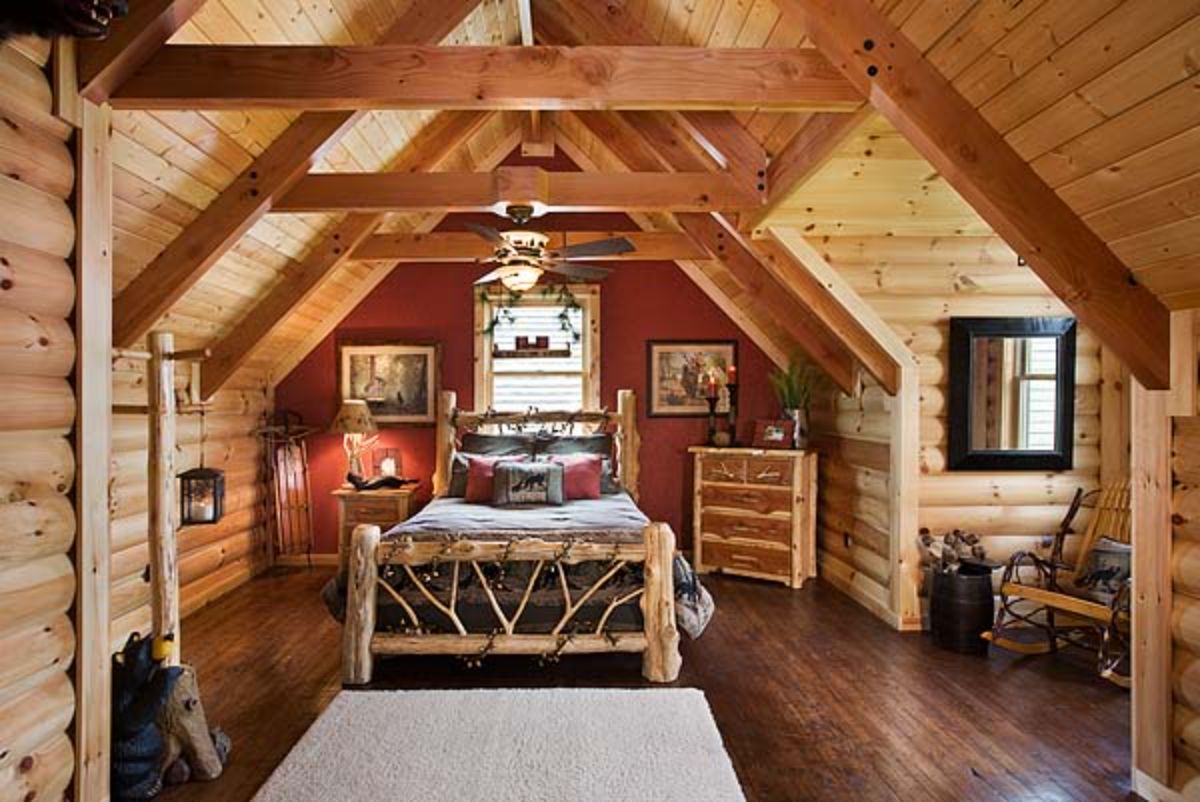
(743, 528)
(723, 472)
(735, 557)
(769, 473)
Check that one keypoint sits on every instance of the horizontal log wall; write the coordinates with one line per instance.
(1185, 575)
(854, 512)
(37, 413)
(212, 559)
(917, 284)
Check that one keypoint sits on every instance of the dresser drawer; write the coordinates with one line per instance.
(745, 527)
(373, 512)
(722, 469)
(769, 471)
(738, 556)
(763, 500)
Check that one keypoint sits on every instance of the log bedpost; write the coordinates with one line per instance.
(361, 592)
(629, 442)
(661, 660)
(164, 570)
(447, 401)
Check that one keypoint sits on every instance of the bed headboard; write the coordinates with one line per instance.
(623, 423)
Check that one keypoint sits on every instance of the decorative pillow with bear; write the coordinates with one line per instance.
(481, 473)
(527, 483)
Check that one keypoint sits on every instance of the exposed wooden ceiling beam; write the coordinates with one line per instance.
(992, 177)
(806, 152)
(492, 157)
(532, 186)
(189, 256)
(455, 246)
(726, 245)
(870, 353)
(431, 146)
(591, 23)
(104, 64)
(723, 244)
(415, 77)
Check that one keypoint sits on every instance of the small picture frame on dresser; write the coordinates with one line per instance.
(774, 433)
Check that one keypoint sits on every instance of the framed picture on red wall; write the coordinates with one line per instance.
(399, 382)
(682, 373)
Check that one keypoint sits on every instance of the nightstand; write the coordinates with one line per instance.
(385, 508)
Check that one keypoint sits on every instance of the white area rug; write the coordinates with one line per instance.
(555, 745)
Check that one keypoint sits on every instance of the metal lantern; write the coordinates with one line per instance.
(201, 496)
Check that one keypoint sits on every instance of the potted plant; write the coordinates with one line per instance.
(794, 389)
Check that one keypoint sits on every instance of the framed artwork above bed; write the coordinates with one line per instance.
(678, 373)
(399, 382)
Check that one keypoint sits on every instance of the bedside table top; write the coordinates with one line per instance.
(386, 492)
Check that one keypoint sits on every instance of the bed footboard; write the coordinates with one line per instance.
(658, 641)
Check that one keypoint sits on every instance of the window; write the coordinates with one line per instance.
(1037, 382)
(565, 375)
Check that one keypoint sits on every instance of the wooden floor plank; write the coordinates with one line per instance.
(815, 698)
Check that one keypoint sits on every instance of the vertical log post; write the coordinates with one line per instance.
(661, 660)
(629, 442)
(360, 606)
(447, 401)
(164, 569)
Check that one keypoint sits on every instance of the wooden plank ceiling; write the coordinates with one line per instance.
(1100, 98)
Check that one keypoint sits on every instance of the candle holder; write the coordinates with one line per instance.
(712, 419)
(732, 389)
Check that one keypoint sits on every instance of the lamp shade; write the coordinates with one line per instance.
(354, 417)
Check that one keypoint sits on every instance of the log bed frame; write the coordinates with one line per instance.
(658, 641)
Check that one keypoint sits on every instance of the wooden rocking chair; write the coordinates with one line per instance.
(1043, 608)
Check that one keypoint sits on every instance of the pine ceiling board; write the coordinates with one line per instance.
(259, 26)
(898, 11)
(1170, 241)
(328, 23)
(208, 137)
(151, 226)
(929, 22)
(1143, 172)
(149, 166)
(1171, 276)
(729, 23)
(759, 23)
(1041, 33)
(976, 31)
(1168, 203)
(131, 253)
(1171, 59)
(365, 21)
(1115, 37)
(138, 192)
(163, 142)
(703, 18)
(254, 131)
(979, 253)
(1155, 120)
(786, 126)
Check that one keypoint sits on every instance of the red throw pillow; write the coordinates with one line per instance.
(581, 475)
(481, 473)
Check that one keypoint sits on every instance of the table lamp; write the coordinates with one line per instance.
(354, 422)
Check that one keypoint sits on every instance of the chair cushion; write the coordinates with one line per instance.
(1107, 568)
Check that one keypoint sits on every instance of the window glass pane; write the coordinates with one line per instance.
(517, 393)
(1041, 355)
(1039, 398)
(534, 322)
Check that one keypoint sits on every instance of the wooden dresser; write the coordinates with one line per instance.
(385, 508)
(755, 513)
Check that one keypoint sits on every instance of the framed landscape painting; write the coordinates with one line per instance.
(678, 374)
(398, 382)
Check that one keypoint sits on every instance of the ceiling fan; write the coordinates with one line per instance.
(522, 256)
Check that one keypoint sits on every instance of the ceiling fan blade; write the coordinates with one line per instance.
(581, 272)
(600, 247)
(487, 232)
(488, 278)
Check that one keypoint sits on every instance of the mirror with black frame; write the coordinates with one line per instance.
(1012, 393)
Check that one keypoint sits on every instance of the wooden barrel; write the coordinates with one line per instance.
(961, 609)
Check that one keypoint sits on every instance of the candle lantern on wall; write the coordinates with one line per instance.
(201, 496)
(201, 491)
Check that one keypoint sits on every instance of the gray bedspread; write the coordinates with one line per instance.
(613, 518)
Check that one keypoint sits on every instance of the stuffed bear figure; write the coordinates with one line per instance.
(140, 687)
(86, 19)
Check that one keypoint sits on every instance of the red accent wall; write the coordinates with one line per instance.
(640, 301)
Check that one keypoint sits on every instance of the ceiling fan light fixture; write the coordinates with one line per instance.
(521, 279)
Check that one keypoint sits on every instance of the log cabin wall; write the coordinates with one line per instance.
(37, 414)
(917, 284)
(855, 510)
(212, 559)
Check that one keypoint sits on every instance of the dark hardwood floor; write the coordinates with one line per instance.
(816, 699)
